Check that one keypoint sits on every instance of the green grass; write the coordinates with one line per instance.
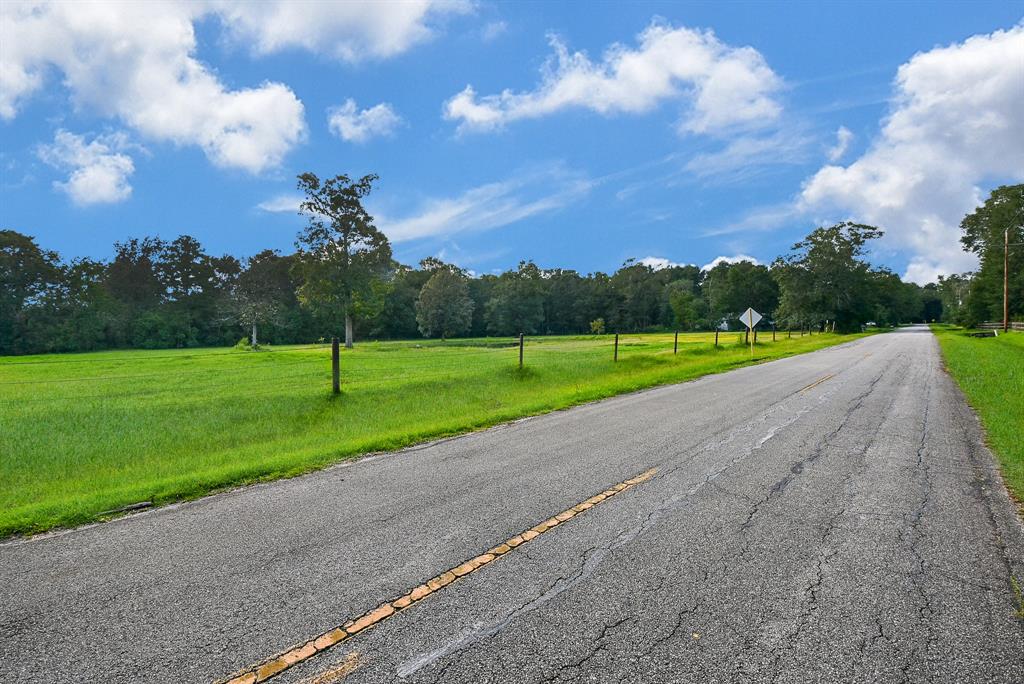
(85, 433)
(990, 371)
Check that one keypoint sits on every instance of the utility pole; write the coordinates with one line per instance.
(1006, 279)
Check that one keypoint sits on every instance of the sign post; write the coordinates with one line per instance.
(750, 318)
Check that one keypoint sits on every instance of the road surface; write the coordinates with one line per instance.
(830, 517)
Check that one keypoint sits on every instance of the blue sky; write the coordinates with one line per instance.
(676, 132)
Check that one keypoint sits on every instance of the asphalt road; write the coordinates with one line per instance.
(831, 517)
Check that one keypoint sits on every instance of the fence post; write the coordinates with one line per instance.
(616, 357)
(716, 338)
(520, 350)
(789, 334)
(746, 336)
(675, 346)
(335, 367)
(755, 335)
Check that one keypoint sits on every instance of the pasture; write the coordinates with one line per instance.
(82, 434)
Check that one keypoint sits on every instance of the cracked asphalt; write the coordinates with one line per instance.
(853, 531)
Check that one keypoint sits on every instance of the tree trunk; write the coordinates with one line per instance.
(254, 345)
(348, 331)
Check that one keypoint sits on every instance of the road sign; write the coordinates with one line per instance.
(750, 318)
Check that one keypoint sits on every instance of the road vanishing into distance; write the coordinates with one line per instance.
(830, 517)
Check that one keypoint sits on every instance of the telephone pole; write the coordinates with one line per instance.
(1006, 279)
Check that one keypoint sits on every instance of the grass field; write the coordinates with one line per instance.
(81, 434)
(991, 373)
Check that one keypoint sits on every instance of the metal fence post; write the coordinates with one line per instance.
(616, 357)
(520, 350)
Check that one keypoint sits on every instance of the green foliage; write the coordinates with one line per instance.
(597, 326)
(343, 259)
(517, 302)
(731, 288)
(444, 307)
(984, 232)
(826, 278)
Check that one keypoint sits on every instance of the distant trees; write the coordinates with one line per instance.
(158, 293)
(444, 307)
(517, 301)
(343, 259)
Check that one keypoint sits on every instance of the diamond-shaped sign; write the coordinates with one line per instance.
(750, 318)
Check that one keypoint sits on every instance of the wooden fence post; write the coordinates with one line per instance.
(616, 357)
(335, 367)
(755, 335)
(675, 346)
(520, 350)
(716, 338)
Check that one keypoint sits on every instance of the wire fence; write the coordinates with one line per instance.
(367, 365)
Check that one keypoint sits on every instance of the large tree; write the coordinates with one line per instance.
(27, 275)
(825, 277)
(517, 301)
(985, 233)
(344, 259)
(444, 307)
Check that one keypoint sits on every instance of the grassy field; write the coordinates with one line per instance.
(991, 373)
(81, 434)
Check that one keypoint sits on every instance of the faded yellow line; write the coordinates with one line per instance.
(274, 665)
(817, 382)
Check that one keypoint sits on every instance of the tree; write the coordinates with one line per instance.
(517, 302)
(826, 279)
(343, 258)
(256, 297)
(444, 307)
(729, 289)
(985, 233)
(27, 274)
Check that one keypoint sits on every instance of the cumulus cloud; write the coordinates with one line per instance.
(844, 136)
(135, 62)
(352, 30)
(728, 260)
(489, 206)
(658, 263)
(99, 170)
(352, 125)
(722, 86)
(955, 123)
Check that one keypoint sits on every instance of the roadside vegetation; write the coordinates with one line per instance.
(990, 371)
(86, 433)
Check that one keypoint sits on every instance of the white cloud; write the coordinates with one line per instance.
(489, 206)
(955, 123)
(724, 87)
(99, 169)
(281, 204)
(492, 30)
(351, 30)
(844, 136)
(728, 260)
(352, 125)
(658, 263)
(748, 154)
(135, 62)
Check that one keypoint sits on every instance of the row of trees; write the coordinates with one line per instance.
(155, 293)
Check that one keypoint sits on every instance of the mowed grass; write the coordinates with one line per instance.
(990, 371)
(81, 434)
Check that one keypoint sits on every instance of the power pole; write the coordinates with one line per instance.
(1006, 279)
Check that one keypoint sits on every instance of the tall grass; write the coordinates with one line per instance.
(991, 373)
(81, 434)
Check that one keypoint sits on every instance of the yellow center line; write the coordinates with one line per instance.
(262, 671)
(817, 382)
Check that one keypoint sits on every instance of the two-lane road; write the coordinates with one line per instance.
(830, 517)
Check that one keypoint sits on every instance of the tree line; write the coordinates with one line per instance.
(343, 280)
